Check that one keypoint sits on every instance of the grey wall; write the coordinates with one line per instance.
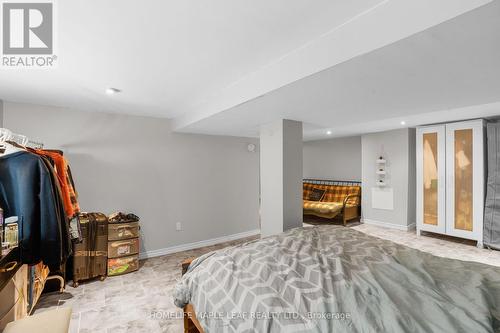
(137, 164)
(338, 159)
(395, 147)
(292, 175)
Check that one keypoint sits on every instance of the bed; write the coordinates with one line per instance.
(336, 279)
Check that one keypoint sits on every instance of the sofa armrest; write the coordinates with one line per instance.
(349, 196)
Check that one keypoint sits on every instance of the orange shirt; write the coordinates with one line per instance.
(71, 206)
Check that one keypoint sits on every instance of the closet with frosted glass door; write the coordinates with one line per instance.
(450, 179)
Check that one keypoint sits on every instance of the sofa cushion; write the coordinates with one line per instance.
(308, 187)
(338, 193)
(334, 193)
(316, 194)
(323, 209)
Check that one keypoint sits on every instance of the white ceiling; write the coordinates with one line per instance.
(448, 72)
(228, 66)
(167, 54)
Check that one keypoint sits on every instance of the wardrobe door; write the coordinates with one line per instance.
(465, 179)
(431, 177)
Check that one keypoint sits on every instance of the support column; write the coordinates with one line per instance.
(280, 176)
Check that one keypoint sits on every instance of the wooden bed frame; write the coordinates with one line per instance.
(191, 323)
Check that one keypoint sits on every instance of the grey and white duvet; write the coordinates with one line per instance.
(336, 279)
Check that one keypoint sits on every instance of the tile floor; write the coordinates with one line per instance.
(438, 245)
(133, 303)
(142, 301)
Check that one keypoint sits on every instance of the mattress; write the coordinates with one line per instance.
(336, 279)
(325, 209)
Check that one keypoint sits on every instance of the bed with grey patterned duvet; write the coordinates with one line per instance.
(336, 279)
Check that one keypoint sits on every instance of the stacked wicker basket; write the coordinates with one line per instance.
(123, 246)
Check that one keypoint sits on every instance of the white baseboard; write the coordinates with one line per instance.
(195, 245)
(409, 227)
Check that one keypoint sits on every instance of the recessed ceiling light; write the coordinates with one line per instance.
(403, 122)
(112, 91)
(328, 132)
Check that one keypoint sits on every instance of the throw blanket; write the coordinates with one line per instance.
(336, 279)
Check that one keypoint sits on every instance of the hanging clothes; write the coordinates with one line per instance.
(29, 189)
(66, 246)
(66, 183)
(67, 187)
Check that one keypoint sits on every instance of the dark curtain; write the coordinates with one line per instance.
(492, 207)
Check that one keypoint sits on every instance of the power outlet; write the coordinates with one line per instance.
(178, 226)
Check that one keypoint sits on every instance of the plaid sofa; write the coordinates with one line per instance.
(341, 200)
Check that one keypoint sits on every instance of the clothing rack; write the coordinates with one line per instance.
(35, 144)
(20, 139)
(38, 274)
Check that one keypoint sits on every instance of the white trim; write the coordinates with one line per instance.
(477, 127)
(195, 245)
(409, 227)
(440, 130)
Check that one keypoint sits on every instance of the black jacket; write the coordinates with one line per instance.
(28, 190)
